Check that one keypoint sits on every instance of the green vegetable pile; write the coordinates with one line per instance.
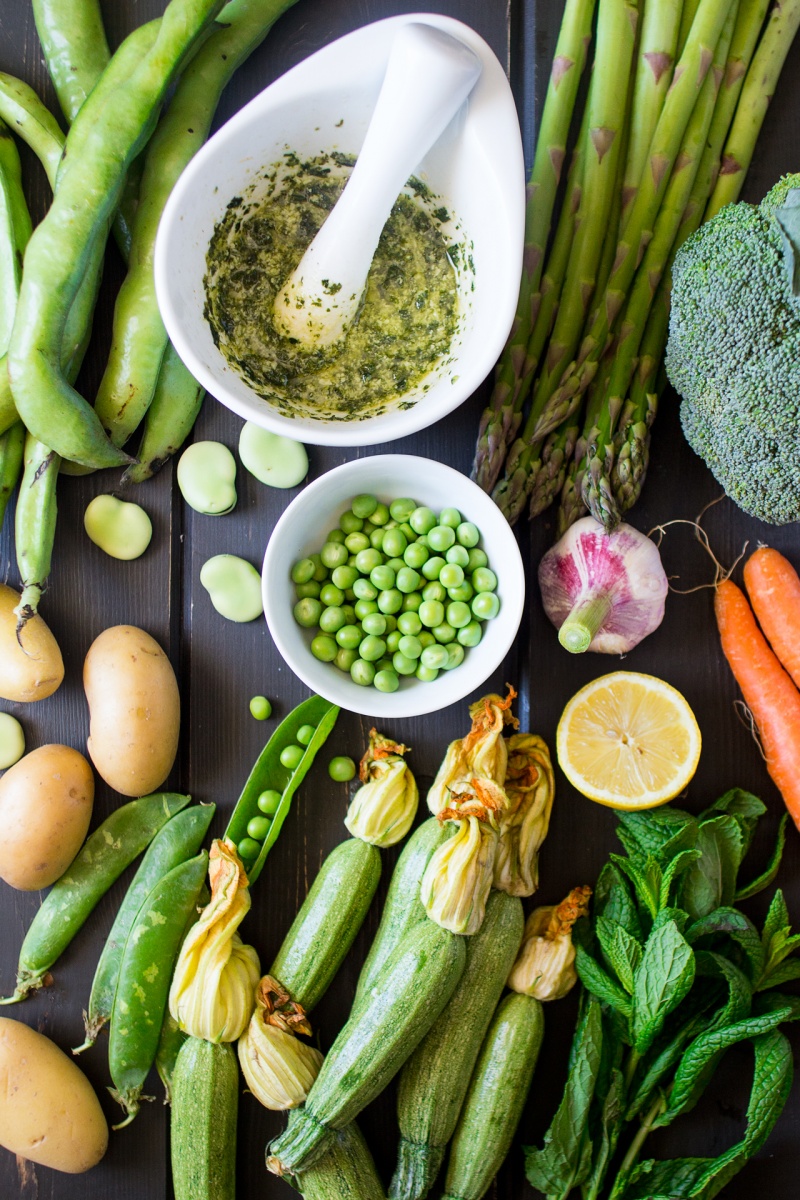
(673, 975)
(734, 350)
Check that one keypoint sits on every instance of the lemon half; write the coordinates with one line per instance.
(628, 740)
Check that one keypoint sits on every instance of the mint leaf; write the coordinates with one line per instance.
(740, 995)
(652, 832)
(763, 1003)
(600, 983)
(769, 873)
(613, 899)
(784, 973)
(664, 1061)
(609, 1127)
(711, 880)
(563, 1161)
(746, 807)
(665, 975)
(646, 877)
(729, 922)
(622, 952)
(683, 861)
(777, 920)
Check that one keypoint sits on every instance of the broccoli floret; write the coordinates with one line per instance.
(734, 355)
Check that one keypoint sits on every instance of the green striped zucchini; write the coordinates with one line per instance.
(328, 921)
(403, 908)
(392, 1019)
(205, 1098)
(496, 1097)
(346, 1172)
(434, 1081)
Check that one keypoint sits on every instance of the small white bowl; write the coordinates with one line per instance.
(301, 531)
(475, 170)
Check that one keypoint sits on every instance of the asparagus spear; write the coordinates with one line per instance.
(568, 64)
(757, 92)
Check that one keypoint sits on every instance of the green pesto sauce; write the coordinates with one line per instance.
(407, 319)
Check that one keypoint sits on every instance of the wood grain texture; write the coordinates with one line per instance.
(221, 665)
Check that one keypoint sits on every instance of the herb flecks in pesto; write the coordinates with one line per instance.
(406, 322)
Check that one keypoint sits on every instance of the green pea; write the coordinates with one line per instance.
(291, 757)
(450, 517)
(397, 564)
(207, 478)
(441, 538)
(411, 602)
(451, 575)
(258, 828)
(320, 570)
(350, 523)
(307, 612)
(402, 508)
(485, 606)
(383, 664)
(349, 637)
(434, 591)
(455, 656)
(477, 558)
(458, 555)
(368, 560)
(278, 461)
(333, 554)
(464, 593)
(391, 622)
(350, 617)
(303, 570)
(234, 587)
(426, 638)
(382, 577)
(408, 580)
(376, 538)
(304, 590)
(331, 596)
(471, 634)
(364, 506)
(335, 535)
(390, 601)
(248, 849)
(409, 622)
(407, 531)
(269, 801)
(432, 567)
(393, 640)
(434, 657)
(394, 543)
(372, 648)
(351, 562)
(345, 659)
(12, 740)
(468, 534)
(444, 633)
(386, 680)
(410, 646)
(368, 528)
(364, 590)
(484, 580)
(416, 555)
(379, 515)
(431, 613)
(344, 577)
(305, 733)
(374, 623)
(331, 619)
(362, 672)
(260, 708)
(324, 647)
(426, 674)
(422, 520)
(458, 614)
(364, 607)
(422, 541)
(404, 665)
(341, 769)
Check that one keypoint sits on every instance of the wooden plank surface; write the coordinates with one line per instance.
(221, 665)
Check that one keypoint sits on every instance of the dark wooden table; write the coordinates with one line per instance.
(221, 665)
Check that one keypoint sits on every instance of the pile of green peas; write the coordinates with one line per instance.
(395, 590)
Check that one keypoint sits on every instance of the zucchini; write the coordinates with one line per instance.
(403, 908)
(434, 1081)
(496, 1097)
(392, 1019)
(205, 1098)
(328, 921)
(346, 1172)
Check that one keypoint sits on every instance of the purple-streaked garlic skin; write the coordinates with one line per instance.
(623, 566)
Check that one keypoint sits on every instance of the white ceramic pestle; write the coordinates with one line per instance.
(428, 77)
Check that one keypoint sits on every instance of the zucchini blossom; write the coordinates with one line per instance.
(279, 1068)
(458, 878)
(481, 753)
(545, 966)
(530, 786)
(212, 990)
(383, 809)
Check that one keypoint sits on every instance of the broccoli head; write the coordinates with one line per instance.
(734, 350)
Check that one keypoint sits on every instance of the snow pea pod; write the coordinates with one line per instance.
(179, 840)
(89, 188)
(145, 972)
(270, 773)
(105, 855)
(172, 1036)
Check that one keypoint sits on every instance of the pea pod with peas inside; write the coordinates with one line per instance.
(272, 775)
(145, 973)
(105, 855)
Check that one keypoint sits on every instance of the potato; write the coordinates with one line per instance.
(33, 670)
(48, 1110)
(45, 806)
(134, 708)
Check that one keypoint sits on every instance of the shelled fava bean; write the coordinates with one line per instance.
(395, 590)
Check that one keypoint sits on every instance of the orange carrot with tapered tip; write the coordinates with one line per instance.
(773, 586)
(768, 691)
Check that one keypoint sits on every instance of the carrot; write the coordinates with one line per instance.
(768, 691)
(773, 586)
